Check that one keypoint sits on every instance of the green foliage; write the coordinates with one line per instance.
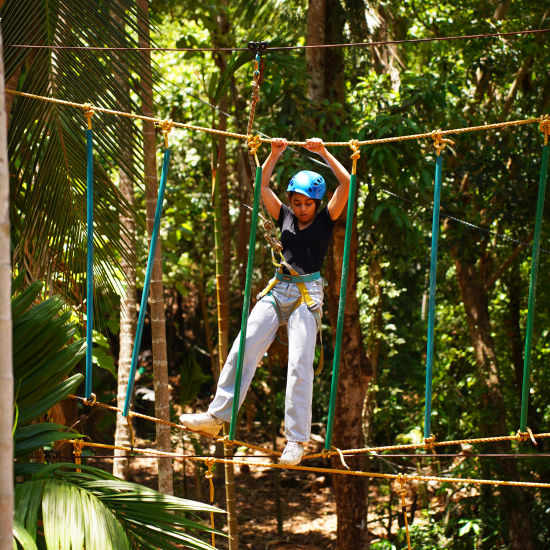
(95, 510)
(489, 183)
(76, 509)
(43, 357)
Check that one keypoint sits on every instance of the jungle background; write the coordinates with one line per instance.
(490, 184)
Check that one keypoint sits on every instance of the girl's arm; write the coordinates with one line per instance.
(271, 201)
(340, 197)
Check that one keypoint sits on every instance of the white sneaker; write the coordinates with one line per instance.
(293, 453)
(202, 422)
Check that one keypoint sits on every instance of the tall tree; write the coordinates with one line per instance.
(128, 321)
(158, 321)
(351, 496)
(6, 372)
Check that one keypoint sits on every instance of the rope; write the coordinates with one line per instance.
(426, 444)
(278, 48)
(375, 475)
(78, 445)
(132, 414)
(210, 477)
(159, 122)
(402, 492)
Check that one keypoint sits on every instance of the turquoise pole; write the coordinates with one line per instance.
(89, 262)
(431, 307)
(147, 282)
(246, 302)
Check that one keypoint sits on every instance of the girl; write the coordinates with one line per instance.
(294, 296)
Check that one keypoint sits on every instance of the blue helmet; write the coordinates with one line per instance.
(310, 184)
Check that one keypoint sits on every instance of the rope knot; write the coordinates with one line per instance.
(354, 144)
(88, 113)
(254, 143)
(402, 491)
(255, 94)
(226, 441)
(93, 401)
(544, 127)
(429, 442)
(524, 436)
(166, 128)
(440, 142)
(326, 453)
(78, 445)
(209, 462)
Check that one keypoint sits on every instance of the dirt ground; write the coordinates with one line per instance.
(307, 516)
(301, 517)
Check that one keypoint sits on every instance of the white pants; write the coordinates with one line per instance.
(263, 322)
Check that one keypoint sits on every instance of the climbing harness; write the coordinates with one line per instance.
(305, 298)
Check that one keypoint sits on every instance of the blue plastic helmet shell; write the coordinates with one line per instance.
(310, 184)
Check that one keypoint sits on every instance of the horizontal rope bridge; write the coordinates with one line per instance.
(429, 443)
(436, 134)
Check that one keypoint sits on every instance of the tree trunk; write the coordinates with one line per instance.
(355, 371)
(158, 323)
(515, 502)
(128, 321)
(222, 228)
(315, 57)
(6, 369)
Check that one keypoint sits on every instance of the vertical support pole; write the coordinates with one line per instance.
(90, 254)
(431, 304)
(246, 302)
(147, 282)
(342, 302)
(533, 286)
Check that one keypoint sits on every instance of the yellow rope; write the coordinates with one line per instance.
(544, 126)
(78, 445)
(354, 144)
(88, 112)
(440, 142)
(402, 492)
(210, 477)
(166, 128)
(412, 477)
(454, 131)
(428, 443)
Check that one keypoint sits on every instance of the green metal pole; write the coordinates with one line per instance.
(431, 306)
(246, 302)
(532, 290)
(341, 311)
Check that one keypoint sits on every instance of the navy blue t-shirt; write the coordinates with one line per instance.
(305, 249)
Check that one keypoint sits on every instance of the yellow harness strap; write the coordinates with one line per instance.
(304, 298)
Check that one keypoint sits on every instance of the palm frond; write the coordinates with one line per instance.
(47, 146)
(23, 537)
(94, 509)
